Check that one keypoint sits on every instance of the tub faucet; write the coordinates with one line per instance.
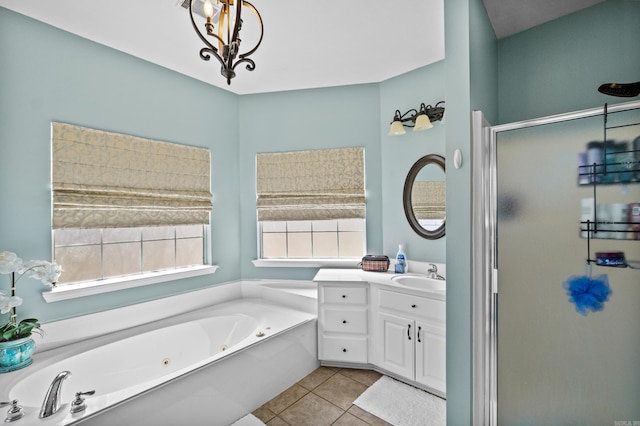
(432, 272)
(51, 401)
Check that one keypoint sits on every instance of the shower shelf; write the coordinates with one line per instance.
(612, 171)
(618, 168)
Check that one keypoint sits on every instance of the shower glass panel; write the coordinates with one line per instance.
(556, 366)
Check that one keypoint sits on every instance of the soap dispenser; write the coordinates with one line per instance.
(401, 260)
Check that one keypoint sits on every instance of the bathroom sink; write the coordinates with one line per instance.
(420, 282)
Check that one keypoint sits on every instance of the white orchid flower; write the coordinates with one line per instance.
(9, 262)
(6, 303)
(42, 270)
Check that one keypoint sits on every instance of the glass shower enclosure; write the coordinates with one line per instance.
(557, 273)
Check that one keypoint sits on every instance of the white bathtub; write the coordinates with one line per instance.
(122, 366)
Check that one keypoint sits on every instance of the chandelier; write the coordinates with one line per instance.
(223, 25)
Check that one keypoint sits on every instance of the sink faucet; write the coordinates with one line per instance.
(51, 401)
(432, 272)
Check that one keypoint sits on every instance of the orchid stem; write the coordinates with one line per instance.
(13, 293)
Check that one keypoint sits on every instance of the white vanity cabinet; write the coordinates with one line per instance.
(343, 322)
(368, 320)
(409, 336)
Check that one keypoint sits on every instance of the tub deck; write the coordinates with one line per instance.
(28, 386)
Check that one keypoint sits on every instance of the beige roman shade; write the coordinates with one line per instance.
(109, 180)
(428, 199)
(311, 185)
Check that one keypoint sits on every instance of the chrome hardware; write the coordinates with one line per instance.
(51, 401)
(432, 272)
(78, 404)
(14, 413)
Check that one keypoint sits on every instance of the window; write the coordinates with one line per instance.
(311, 204)
(126, 206)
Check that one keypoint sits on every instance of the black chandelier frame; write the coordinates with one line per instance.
(226, 54)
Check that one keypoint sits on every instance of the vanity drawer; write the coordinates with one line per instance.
(434, 310)
(344, 321)
(345, 295)
(344, 349)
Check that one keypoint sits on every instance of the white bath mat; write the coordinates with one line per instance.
(249, 420)
(403, 405)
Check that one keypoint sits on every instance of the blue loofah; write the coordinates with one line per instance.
(588, 294)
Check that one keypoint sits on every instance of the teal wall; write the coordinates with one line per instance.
(50, 75)
(400, 152)
(336, 117)
(471, 83)
(81, 82)
(557, 67)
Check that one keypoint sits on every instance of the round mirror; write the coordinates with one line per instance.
(424, 197)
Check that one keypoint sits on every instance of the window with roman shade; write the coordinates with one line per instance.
(311, 204)
(125, 206)
(110, 180)
(304, 185)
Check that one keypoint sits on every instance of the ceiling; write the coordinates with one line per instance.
(306, 44)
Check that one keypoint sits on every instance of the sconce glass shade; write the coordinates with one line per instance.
(422, 123)
(396, 128)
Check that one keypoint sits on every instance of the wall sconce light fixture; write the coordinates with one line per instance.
(419, 120)
(225, 40)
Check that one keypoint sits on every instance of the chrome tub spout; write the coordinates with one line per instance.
(51, 401)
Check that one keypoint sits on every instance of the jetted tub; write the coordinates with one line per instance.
(126, 364)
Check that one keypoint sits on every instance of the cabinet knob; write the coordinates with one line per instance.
(413, 306)
(344, 296)
(344, 350)
(344, 321)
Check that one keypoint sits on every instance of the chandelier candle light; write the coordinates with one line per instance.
(16, 344)
(225, 45)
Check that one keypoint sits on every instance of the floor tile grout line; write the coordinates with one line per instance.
(333, 372)
(347, 412)
(324, 399)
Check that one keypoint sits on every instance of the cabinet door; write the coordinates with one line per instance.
(431, 350)
(396, 345)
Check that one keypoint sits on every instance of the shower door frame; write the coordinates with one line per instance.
(484, 280)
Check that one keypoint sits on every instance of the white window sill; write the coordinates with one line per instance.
(306, 263)
(71, 291)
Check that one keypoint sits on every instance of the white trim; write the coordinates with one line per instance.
(88, 288)
(307, 263)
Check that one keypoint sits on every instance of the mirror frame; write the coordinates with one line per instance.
(406, 196)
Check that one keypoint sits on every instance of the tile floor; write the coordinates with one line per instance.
(323, 398)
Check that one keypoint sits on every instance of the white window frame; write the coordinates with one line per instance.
(100, 286)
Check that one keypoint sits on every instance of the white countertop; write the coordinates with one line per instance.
(386, 279)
